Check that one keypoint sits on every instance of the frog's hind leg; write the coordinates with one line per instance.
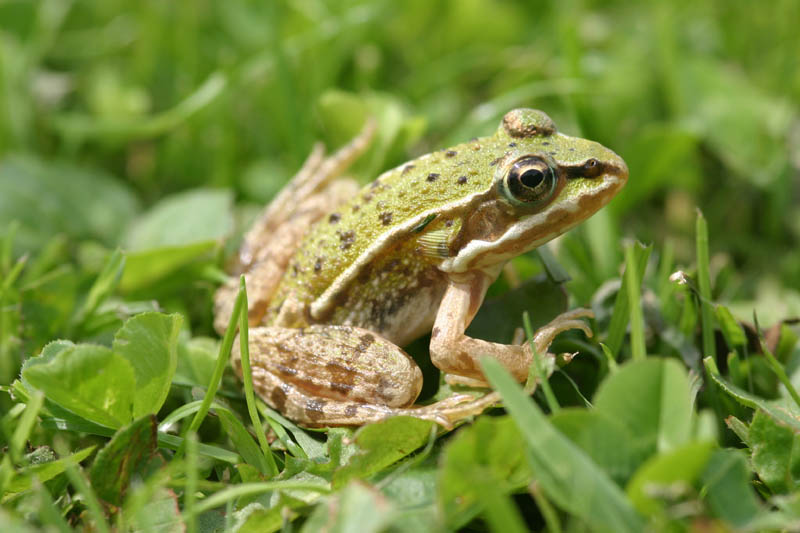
(343, 375)
(279, 229)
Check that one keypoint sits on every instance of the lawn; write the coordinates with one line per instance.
(138, 141)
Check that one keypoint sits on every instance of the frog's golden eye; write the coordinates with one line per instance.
(530, 180)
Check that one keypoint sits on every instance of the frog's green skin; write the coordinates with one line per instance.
(338, 278)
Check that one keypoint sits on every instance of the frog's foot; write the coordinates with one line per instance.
(452, 409)
(545, 335)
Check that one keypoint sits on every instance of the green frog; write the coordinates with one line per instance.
(340, 277)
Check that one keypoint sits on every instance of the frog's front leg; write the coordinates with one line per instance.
(459, 355)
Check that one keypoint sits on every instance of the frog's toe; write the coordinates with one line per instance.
(545, 335)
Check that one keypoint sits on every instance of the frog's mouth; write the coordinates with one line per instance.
(535, 230)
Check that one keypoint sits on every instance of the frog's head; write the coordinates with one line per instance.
(545, 184)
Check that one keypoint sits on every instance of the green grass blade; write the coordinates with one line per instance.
(78, 480)
(190, 490)
(704, 284)
(633, 283)
(252, 489)
(564, 472)
(247, 378)
(536, 371)
(620, 315)
(219, 368)
(25, 424)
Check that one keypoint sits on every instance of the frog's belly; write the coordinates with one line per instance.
(400, 312)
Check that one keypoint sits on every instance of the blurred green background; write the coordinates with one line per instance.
(110, 111)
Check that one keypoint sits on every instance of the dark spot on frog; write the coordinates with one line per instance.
(462, 180)
(278, 398)
(334, 218)
(386, 218)
(432, 177)
(407, 169)
(552, 153)
(286, 370)
(351, 411)
(314, 409)
(356, 208)
(347, 238)
(448, 223)
(295, 269)
(365, 341)
(368, 198)
(571, 149)
(342, 378)
(512, 145)
(435, 333)
(450, 153)
(545, 143)
(342, 388)
(318, 264)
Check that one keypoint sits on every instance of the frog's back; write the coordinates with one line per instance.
(372, 241)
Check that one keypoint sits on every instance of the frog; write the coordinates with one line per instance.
(341, 277)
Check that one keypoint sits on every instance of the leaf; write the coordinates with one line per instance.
(190, 217)
(196, 360)
(727, 486)
(733, 332)
(91, 381)
(56, 198)
(111, 387)
(149, 342)
(679, 465)
(357, 508)
(383, 444)
(160, 515)
(413, 494)
(485, 457)
(42, 472)
(604, 439)
(775, 455)
(179, 230)
(565, 473)
(144, 268)
(122, 458)
(784, 410)
(242, 440)
(661, 417)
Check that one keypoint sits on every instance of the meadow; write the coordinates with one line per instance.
(138, 140)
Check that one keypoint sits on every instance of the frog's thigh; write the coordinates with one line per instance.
(454, 352)
(330, 374)
(272, 252)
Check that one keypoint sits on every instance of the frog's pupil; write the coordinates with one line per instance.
(532, 178)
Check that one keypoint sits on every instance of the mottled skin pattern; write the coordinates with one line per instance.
(338, 279)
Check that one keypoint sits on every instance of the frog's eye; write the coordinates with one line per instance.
(530, 180)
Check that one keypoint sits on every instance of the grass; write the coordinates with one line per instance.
(137, 141)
